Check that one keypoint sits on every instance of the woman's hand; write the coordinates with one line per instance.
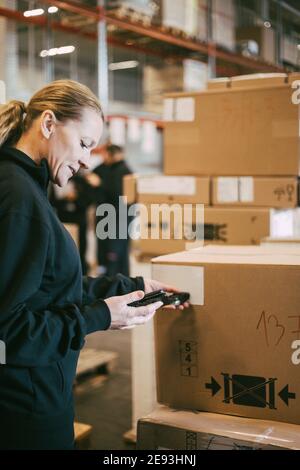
(124, 317)
(151, 285)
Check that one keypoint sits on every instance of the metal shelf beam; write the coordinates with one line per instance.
(208, 49)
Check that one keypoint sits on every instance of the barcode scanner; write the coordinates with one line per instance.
(167, 298)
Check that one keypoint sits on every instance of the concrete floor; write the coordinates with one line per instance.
(108, 407)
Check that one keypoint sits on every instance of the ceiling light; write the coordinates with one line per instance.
(36, 12)
(57, 51)
(128, 64)
(52, 10)
(267, 24)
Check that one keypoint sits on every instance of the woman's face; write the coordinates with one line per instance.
(70, 143)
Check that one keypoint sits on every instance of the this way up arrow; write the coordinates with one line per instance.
(213, 386)
(285, 395)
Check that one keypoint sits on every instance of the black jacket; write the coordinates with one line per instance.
(111, 182)
(46, 309)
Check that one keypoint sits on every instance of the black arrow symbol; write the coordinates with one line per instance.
(285, 395)
(213, 386)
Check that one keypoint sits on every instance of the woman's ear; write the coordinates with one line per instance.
(48, 123)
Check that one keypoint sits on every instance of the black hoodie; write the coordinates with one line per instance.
(46, 309)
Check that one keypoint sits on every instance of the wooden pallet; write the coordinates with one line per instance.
(124, 13)
(130, 436)
(93, 368)
(175, 32)
(82, 434)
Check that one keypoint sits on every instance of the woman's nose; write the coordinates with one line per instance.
(84, 162)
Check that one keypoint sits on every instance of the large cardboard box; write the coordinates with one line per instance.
(236, 350)
(170, 429)
(278, 192)
(174, 227)
(233, 132)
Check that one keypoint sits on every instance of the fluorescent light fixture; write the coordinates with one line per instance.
(298, 47)
(52, 10)
(57, 51)
(267, 24)
(128, 64)
(36, 12)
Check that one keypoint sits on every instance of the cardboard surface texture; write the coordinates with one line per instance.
(236, 132)
(129, 188)
(239, 352)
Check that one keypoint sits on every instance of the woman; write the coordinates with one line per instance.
(46, 307)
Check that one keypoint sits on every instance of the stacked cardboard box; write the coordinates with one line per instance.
(233, 148)
(233, 131)
(236, 349)
(234, 352)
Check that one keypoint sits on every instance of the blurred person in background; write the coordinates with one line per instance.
(71, 203)
(107, 181)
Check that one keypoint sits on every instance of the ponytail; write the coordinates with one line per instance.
(11, 122)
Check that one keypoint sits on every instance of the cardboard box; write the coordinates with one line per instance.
(169, 189)
(167, 428)
(255, 191)
(233, 132)
(258, 80)
(129, 188)
(221, 226)
(166, 189)
(236, 349)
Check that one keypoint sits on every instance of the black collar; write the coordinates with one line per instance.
(39, 173)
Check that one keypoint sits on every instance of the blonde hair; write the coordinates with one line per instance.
(66, 98)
